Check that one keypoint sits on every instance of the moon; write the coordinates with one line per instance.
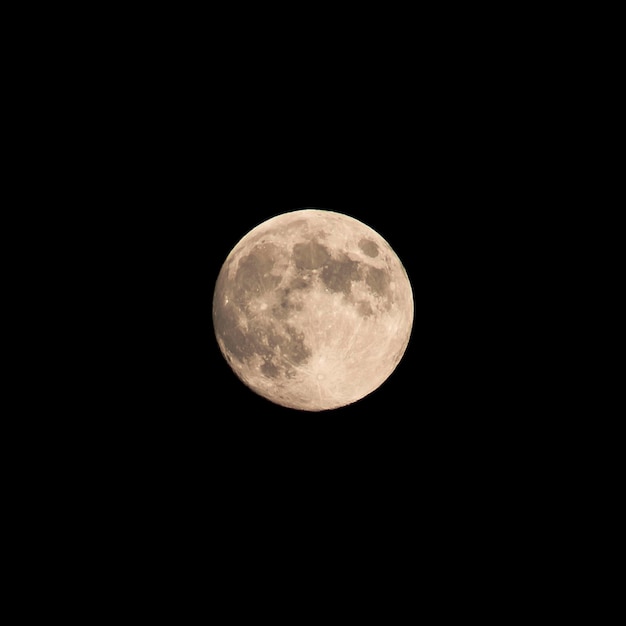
(313, 310)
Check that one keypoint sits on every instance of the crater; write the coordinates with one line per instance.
(368, 247)
(309, 256)
(338, 275)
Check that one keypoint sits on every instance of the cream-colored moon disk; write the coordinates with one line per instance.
(313, 310)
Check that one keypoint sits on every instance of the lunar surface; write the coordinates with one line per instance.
(313, 310)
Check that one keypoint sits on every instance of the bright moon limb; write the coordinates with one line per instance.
(313, 310)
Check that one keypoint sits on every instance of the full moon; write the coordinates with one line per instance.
(313, 310)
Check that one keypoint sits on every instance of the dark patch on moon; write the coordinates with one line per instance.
(309, 256)
(262, 338)
(269, 370)
(245, 336)
(338, 275)
(300, 282)
(297, 223)
(377, 280)
(254, 272)
(364, 308)
(241, 345)
(368, 247)
(291, 344)
(285, 304)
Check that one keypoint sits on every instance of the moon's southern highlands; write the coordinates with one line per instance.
(313, 310)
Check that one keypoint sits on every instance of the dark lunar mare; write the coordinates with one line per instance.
(245, 335)
(254, 275)
(368, 247)
(310, 255)
(338, 274)
(377, 280)
(364, 308)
